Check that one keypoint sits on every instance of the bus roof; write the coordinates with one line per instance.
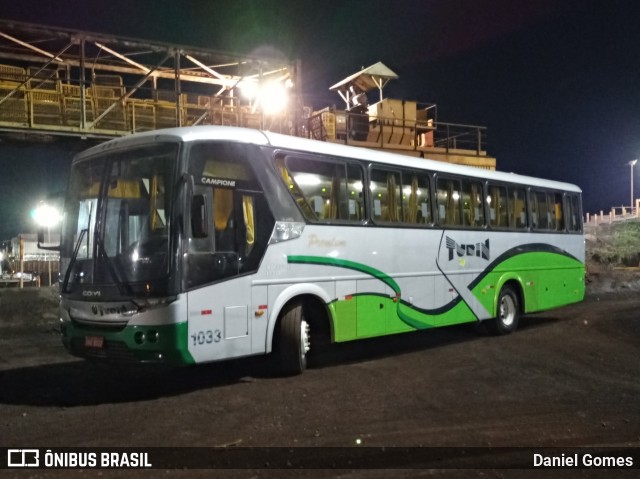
(257, 137)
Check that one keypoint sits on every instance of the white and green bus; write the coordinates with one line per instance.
(200, 244)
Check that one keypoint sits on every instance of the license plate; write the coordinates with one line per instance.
(94, 342)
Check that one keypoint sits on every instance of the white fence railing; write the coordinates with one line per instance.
(617, 214)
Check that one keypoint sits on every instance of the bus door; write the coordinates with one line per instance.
(220, 249)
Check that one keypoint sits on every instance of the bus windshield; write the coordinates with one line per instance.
(117, 218)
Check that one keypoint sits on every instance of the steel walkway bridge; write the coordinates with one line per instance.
(56, 81)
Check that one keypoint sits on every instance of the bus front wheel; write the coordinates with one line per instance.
(293, 340)
(508, 313)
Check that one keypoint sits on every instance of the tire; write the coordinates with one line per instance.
(293, 340)
(507, 314)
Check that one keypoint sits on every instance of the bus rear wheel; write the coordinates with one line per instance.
(508, 313)
(293, 342)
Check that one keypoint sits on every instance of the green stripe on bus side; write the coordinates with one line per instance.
(562, 275)
(343, 263)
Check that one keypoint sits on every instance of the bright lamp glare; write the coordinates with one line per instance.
(46, 215)
(273, 98)
(249, 89)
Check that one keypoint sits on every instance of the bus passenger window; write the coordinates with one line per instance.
(324, 190)
(355, 196)
(416, 203)
(386, 194)
(498, 207)
(449, 204)
(540, 213)
(557, 211)
(573, 213)
(539, 210)
(517, 208)
(472, 207)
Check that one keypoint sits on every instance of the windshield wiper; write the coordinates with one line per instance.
(123, 286)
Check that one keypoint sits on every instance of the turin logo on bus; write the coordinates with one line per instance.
(481, 250)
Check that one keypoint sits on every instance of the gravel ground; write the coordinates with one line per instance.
(566, 378)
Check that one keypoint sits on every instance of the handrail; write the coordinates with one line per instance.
(393, 132)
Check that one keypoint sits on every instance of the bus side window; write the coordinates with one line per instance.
(416, 204)
(497, 202)
(449, 204)
(355, 196)
(574, 216)
(386, 194)
(558, 210)
(540, 213)
(473, 208)
(518, 208)
(324, 190)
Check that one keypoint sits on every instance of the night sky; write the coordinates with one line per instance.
(557, 82)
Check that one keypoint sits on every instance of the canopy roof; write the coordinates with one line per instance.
(375, 76)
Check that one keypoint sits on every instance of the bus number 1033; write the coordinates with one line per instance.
(206, 337)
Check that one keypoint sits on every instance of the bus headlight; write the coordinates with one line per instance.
(286, 230)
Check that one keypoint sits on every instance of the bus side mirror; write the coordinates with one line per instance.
(199, 225)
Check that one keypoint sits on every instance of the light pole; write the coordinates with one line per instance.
(632, 163)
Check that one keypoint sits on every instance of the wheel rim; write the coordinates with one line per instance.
(304, 338)
(507, 310)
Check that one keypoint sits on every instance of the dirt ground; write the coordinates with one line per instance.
(566, 378)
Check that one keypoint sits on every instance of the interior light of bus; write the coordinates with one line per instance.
(407, 191)
(306, 179)
(286, 230)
